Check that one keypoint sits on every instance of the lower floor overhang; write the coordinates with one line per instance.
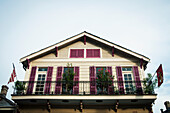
(86, 100)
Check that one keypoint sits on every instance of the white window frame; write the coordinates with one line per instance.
(36, 78)
(128, 72)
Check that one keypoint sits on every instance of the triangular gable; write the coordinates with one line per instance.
(73, 38)
(6, 103)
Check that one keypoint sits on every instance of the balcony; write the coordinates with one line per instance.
(64, 94)
(83, 88)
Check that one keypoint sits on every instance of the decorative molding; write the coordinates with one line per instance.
(84, 39)
(56, 51)
(113, 51)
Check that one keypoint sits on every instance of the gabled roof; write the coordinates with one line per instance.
(6, 103)
(47, 49)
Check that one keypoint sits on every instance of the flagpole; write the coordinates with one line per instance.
(151, 77)
(15, 71)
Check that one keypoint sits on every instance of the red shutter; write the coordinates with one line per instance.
(93, 53)
(120, 80)
(31, 80)
(48, 80)
(72, 53)
(93, 89)
(137, 80)
(77, 53)
(80, 53)
(111, 86)
(76, 81)
(96, 53)
(89, 53)
(58, 80)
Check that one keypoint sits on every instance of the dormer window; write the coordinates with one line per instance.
(76, 53)
(92, 53)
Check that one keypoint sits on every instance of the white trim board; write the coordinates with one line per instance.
(95, 97)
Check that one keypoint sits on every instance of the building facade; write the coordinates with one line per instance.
(84, 73)
(6, 105)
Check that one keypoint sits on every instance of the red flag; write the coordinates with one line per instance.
(159, 72)
(13, 75)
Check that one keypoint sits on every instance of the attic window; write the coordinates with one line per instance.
(76, 53)
(92, 53)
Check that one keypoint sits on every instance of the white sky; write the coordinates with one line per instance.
(139, 25)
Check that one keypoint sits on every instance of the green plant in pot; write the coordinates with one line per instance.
(19, 87)
(68, 77)
(104, 79)
(149, 86)
(116, 90)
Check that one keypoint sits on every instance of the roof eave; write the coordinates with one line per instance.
(78, 36)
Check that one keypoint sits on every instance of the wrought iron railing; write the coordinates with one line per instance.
(83, 88)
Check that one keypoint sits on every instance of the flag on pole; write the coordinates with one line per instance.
(159, 72)
(13, 75)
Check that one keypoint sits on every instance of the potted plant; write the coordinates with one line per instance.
(19, 87)
(68, 77)
(104, 79)
(149, 85)
(116, 91)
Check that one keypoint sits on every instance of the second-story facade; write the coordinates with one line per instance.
(105, 75)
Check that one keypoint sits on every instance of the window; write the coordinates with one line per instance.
(99, 85)
(76, 53)
(101, 69)
(128, 83)
(127, 74)
(66, 71)
(40, 84)
(92, 53)
(42, 72)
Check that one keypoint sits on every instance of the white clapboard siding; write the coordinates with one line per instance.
(83, 63)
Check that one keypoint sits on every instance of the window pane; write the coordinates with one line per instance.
(100, 70)
(42, 69)
(43, 79)
(66, 70)
(43, 75)
(125, 75)
(129, 75)
(39, 78)
(126, 69)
